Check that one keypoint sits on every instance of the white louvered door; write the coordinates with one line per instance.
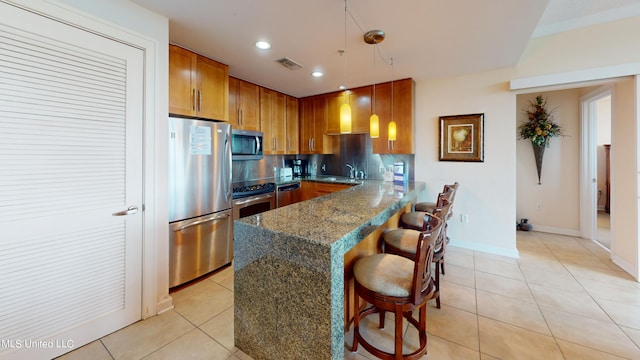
(70, 157)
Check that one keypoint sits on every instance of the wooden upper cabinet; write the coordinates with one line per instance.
(360, 102)
(244, 104)
(198, 86)
(313, 140)
(292, 136)
(273, 121)
(403, 95)
(182, 68)
(213, 89)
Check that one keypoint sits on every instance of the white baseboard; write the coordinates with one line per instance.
(555, 230)
(488, 249)
(628, 267)
(165, 304)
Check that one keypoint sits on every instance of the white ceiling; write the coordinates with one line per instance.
(427, 39)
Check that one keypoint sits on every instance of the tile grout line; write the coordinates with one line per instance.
(587, 292)
(553, 336)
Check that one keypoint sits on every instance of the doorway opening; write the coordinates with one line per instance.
(596, 136)
(603, 175)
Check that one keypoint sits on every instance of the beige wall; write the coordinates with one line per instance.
(624, 175)
(488, 190)
(553, 206)
(597, 46)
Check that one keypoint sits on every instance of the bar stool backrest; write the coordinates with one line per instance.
(424, 256)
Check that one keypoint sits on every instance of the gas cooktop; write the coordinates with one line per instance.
(250, 188)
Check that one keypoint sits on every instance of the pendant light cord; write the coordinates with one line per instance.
(391, 60)
(374, 77)
(345, 45)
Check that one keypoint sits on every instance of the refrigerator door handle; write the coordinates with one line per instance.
(182, 225)
(130, 211)
(227, 162)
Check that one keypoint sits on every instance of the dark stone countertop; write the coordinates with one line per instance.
(341, 216)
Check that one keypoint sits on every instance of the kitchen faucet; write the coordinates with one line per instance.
(352, 171)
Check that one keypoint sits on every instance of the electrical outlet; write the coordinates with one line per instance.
(464, 218)
(539, 206)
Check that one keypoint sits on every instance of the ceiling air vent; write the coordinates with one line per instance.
(289, 63)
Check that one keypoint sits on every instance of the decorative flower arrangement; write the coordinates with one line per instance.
(540, 127)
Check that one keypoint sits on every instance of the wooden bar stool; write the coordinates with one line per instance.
(438, 257)
(397, 284)
(402, 241)
(429, 206)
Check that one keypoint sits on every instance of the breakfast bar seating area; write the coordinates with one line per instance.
(400, 285)
(293, 295)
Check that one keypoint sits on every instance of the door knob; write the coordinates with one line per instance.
(130, 211)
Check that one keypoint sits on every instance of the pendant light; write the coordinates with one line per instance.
(345, 109)
(392, 123)
(374, 37)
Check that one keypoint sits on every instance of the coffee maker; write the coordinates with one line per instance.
(299, 167)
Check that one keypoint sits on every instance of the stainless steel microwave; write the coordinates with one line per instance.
(246, 145)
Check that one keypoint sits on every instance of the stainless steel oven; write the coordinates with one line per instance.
(251, 199)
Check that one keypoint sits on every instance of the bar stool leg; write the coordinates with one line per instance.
(356, 323)
(398, 340)
(437, 281)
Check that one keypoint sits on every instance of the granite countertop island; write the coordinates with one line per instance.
(289, 269)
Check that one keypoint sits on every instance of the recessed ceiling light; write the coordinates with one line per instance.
(317, 74)
(263, 45)
(342, 87)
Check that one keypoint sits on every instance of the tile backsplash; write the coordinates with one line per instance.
(354, 149)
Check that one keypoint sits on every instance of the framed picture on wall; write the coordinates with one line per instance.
(462, 138)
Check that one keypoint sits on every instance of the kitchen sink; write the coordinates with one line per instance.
(339, 179)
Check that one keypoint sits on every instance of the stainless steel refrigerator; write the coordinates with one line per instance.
(200, 198)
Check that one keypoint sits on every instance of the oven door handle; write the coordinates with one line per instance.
(201, 221)
(251, 199)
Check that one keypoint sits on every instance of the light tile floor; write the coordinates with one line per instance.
(563, 299)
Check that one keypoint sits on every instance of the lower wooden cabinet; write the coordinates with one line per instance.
(312, 189)
(328, 188)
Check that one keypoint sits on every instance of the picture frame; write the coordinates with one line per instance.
(462, 138)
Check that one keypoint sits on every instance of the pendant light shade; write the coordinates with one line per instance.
(392, 124)
(392, 131)
(374, 126)
(345, 118)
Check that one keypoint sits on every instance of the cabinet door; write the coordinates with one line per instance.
(249, 105)
(306, 124)
(403, 94)
(322, 144)
(279, 122)
(234, 103)
(312, 124)
(308, 190)
(360, 102)
(292, 133)
(266, 120)
(333, 102)
(328, 188)
(273, 121)
(212, 89)
(182, 69)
